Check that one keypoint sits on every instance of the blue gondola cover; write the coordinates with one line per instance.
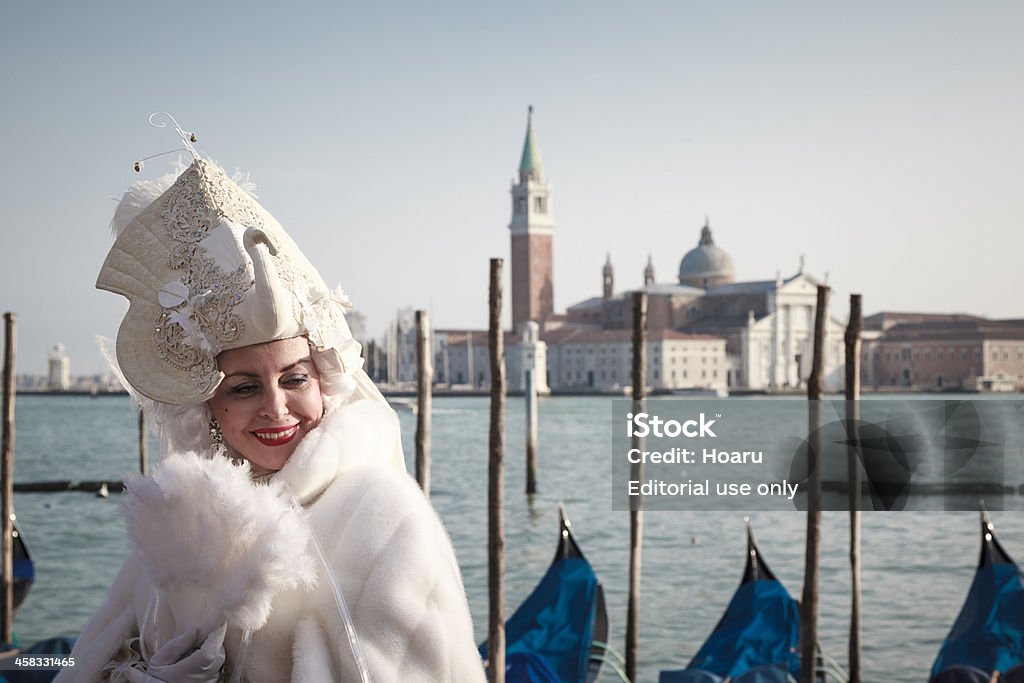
(554, 625)
(760, 626)
(989, 633)
(757, 640)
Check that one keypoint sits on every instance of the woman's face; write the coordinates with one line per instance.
(268, 401)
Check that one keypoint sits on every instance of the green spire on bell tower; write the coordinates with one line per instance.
(530, 167)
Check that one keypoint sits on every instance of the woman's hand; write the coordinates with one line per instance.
(184, 660)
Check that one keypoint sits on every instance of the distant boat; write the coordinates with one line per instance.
(988, 635)
(757, 640)
(998, 383)
(559, 633)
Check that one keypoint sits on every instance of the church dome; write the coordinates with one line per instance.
(706, 266)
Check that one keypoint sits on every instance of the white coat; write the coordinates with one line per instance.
(384, 544)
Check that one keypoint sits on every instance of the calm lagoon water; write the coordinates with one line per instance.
(917, 566)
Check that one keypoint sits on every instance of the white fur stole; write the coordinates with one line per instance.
(217, 546)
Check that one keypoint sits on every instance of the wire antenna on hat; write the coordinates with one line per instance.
(187, 137)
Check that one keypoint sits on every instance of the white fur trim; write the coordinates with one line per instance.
(254, 544)
(358, 434)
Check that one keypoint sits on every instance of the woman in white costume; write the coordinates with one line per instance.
(280, 538)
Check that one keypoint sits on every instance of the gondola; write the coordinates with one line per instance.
(988, 635)
(558, 634)
(757, 640)
(24, 568)
(24, 575)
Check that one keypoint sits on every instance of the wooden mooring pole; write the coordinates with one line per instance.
(496, 486)
(143, 457)
(7, 480)
(852, 339)
(531, 433)
(636, 513)
(424, 381)
(809, 602)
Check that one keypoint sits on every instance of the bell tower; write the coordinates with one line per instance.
(607, 278)
(532, 229)
(649, 272)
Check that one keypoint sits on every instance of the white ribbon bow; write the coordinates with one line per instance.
(186, 312)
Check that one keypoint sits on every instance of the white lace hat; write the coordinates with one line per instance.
(205, 269)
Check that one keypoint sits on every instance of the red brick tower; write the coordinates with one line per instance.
(532, 229)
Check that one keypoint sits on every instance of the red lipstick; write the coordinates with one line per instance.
(276, 436)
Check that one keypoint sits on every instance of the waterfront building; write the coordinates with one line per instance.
(601, 360)
(461, 358)
(30, 382)
(574, 358)
(938, 352)
(400, 348)
(58, 375)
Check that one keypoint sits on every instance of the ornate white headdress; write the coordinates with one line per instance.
(206, 269)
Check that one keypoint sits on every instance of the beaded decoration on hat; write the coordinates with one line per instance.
(206, 269)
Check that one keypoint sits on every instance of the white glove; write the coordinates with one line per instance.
(183, 660)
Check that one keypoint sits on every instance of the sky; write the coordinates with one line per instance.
(881, 141)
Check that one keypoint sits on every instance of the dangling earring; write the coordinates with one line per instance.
(216, 436)
(219, 446)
